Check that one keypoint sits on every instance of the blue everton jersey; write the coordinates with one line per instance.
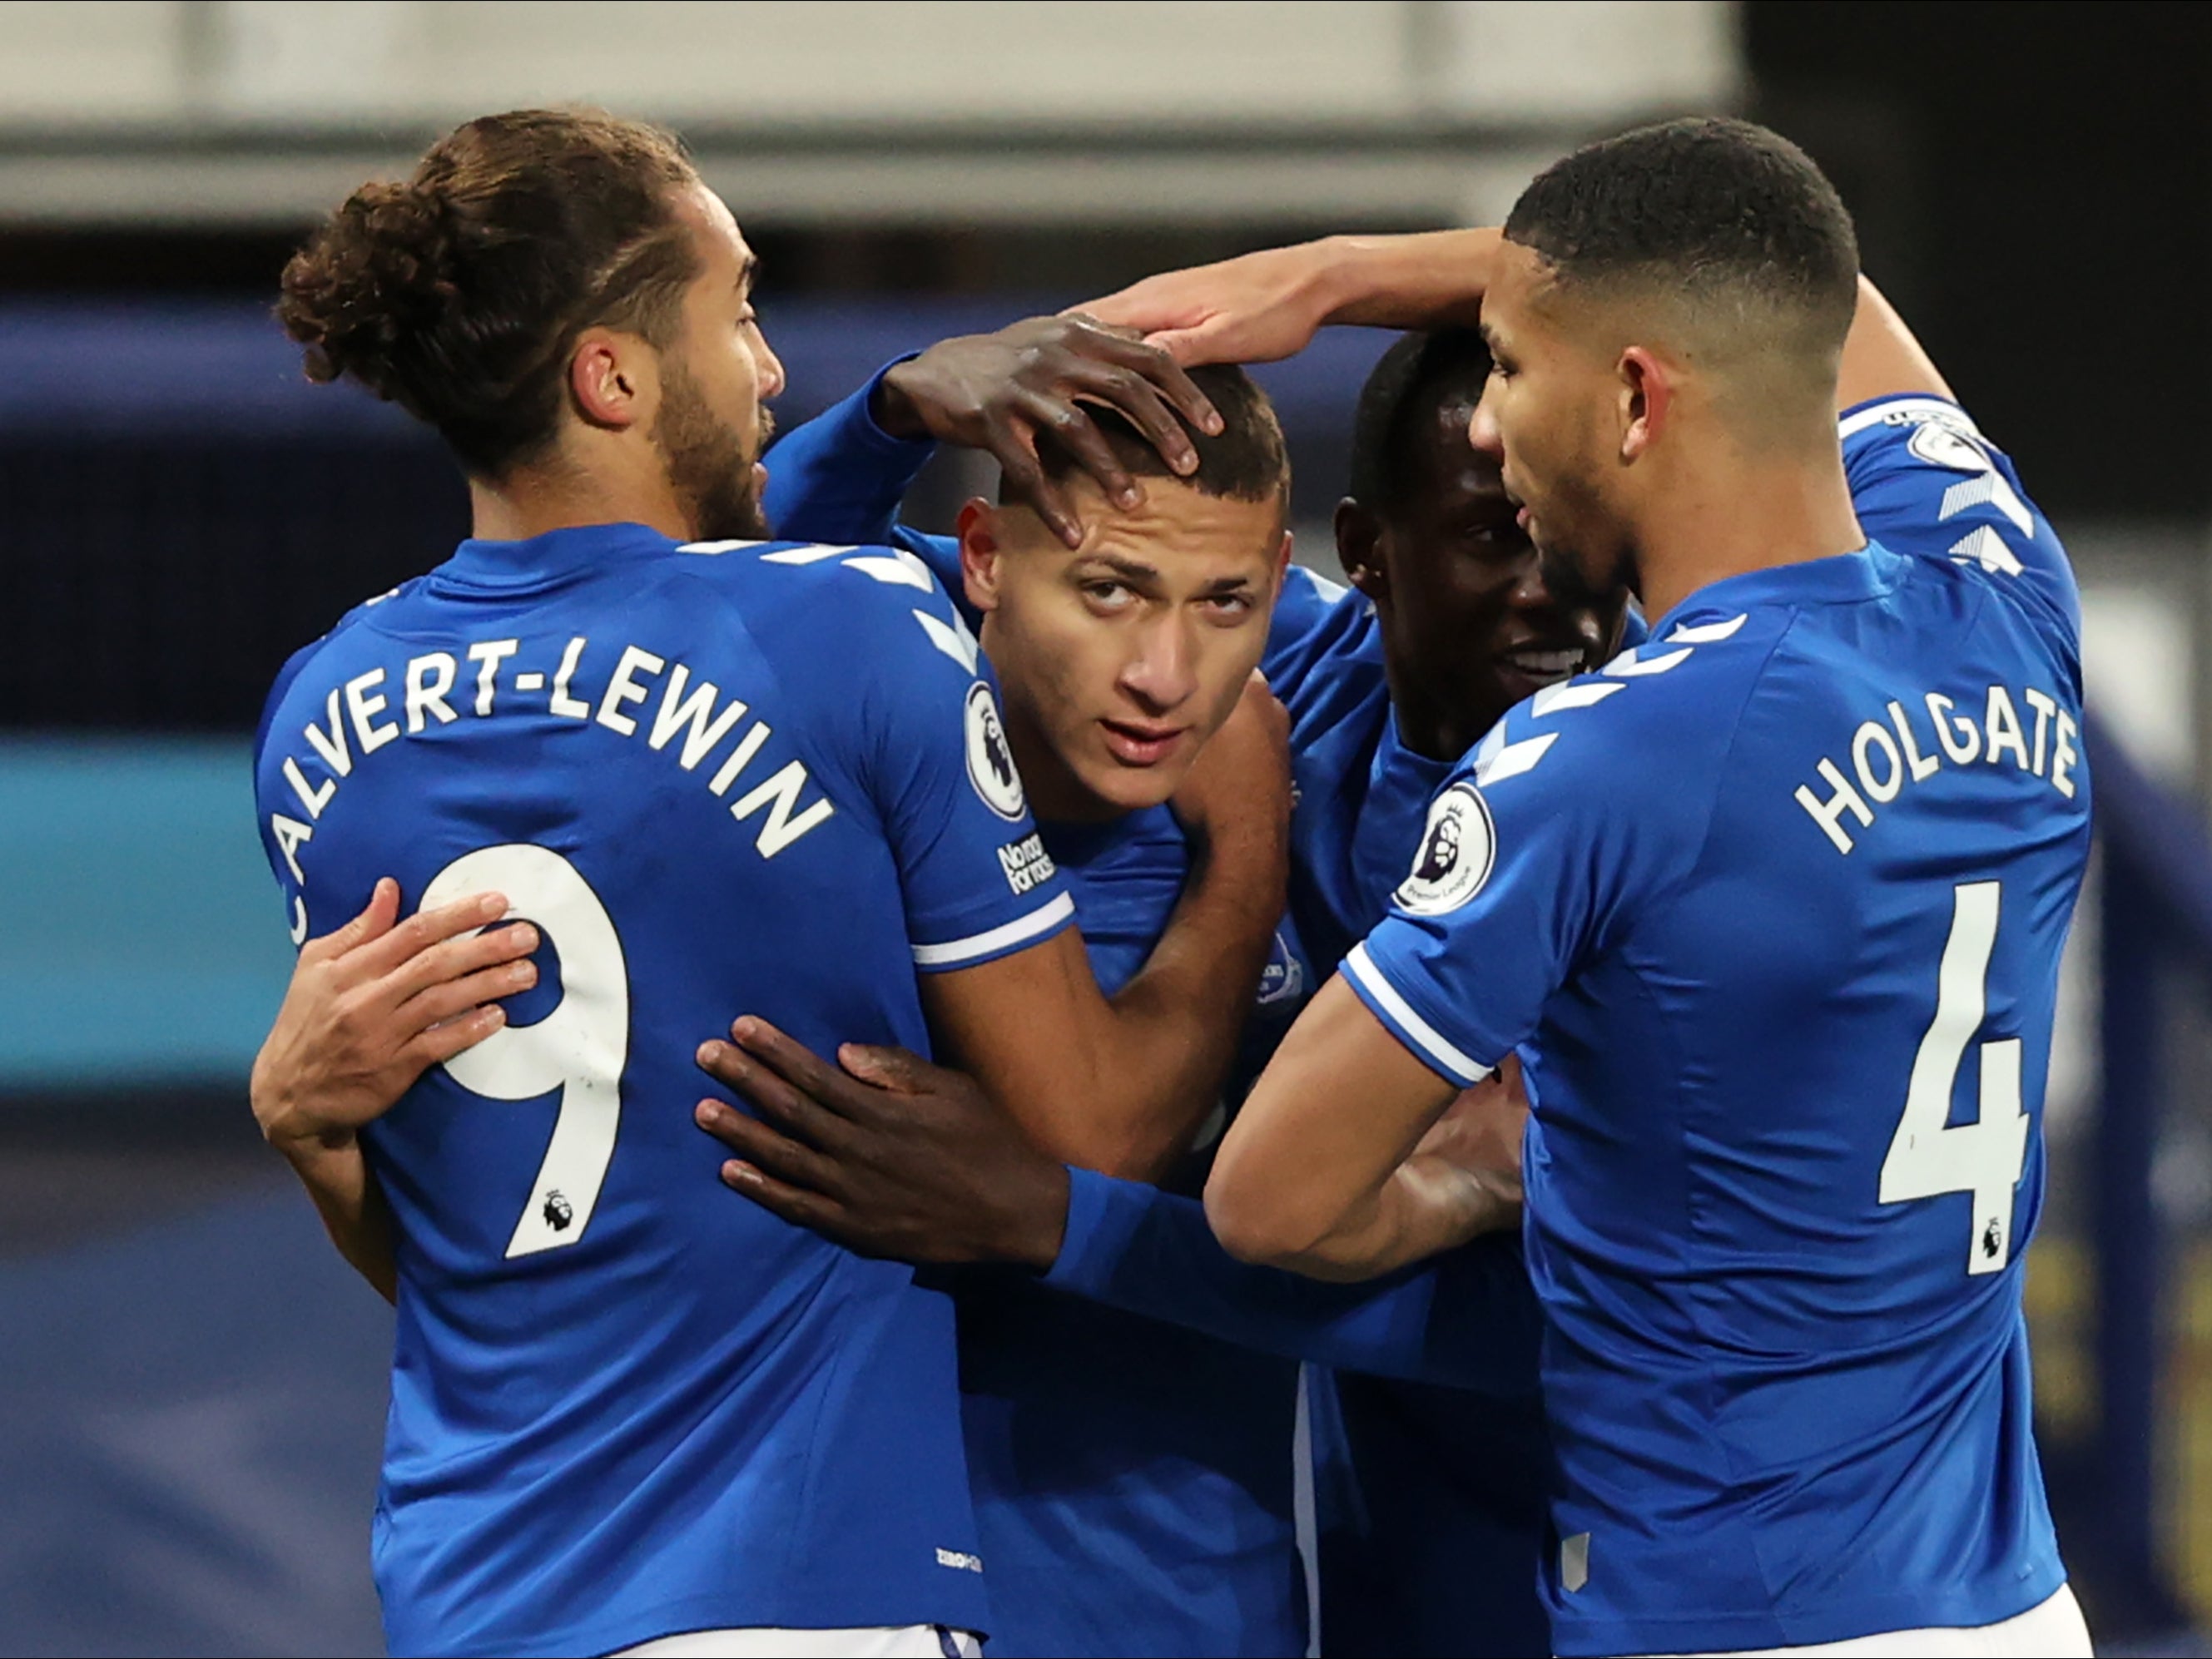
(1430, 1505)
(720, 779)
(1133, 1479)
(1773, 907)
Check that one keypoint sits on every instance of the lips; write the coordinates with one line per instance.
(1539, 665)
(1135, 744)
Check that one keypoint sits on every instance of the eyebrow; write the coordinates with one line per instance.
(1138, 574)
(749, 272)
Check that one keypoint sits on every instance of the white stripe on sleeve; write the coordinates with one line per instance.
(1455, 1065)
(1906, 403)
(1040, 920)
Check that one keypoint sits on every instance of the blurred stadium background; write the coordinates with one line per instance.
(192, 1400)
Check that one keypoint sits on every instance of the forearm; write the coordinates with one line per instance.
(1421, 1208)
(1469, 1320)
(841, 476)
(1882, 357)
(1172, 1029)
(1430, 279)
(352, 1205)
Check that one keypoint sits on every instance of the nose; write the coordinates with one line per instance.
(1530, 592)
(1482, 430)
(1163, 675)
(769, 368)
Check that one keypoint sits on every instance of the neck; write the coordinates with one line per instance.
(1746, 511)
(535, 499)
(1427, 725)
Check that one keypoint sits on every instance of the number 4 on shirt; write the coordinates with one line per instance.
(1928, 1156)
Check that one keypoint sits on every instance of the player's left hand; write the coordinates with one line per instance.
(891, 1157)
(997, 392)
(1475, 1147)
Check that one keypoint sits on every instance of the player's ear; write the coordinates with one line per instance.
(980, 549)
(1644, 398)
(612, 379)
(1358, 549)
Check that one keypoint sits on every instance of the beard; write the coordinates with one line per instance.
(1579, 512)
(710, 469)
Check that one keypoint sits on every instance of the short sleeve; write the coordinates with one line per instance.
(1925, 483)
(932, 751)
(1579, 806)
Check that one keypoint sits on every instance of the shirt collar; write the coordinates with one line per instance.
(1865, 572)
(550, 558)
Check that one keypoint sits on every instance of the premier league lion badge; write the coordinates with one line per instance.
(1457, 849)
(990, 761)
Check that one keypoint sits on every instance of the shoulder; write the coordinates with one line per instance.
(1316, 621)
(1651, 715)
(343, 633)
(1926, 482)
(864, 610)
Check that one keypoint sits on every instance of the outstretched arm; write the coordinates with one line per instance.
(896, 1157)
(373, 1005)
(1264, 306)
(1881, 357)
(841, 476)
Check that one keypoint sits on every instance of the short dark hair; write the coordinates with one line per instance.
(458, 293)
(1707, 208)
(1406, 388)
(1246, 462)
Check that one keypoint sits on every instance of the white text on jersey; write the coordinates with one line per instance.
(359, 719)
(1887, 755)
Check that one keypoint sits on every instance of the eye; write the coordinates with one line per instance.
(1228, 607)
(1108, 596)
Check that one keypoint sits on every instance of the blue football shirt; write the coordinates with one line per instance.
(722, 778)
(1132, 1478)
(1773, 907)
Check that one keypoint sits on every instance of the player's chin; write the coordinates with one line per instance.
(1133, 788)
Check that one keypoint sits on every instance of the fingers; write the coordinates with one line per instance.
(449, 999)
(427, 927)
(795, 1205)
(768, 1151)
(374, 920)
(792, 1109)
(1025, 480)
(886, 1068)
(440, 1042)
(1137, 399)
(804, 1070)
(1074, 431)
(1161, 377)
(463, 958)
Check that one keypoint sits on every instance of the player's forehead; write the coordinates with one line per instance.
(1448, 469)
(727, 257)
(1513, 305)
(1185, 536)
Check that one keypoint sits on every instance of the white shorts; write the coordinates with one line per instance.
(765, 1642)
(2053, 1627)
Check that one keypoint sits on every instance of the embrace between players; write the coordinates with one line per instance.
(1735, 940)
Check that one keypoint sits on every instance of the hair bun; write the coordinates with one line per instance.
(378, 273)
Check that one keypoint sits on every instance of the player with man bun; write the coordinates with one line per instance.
(711, 773)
